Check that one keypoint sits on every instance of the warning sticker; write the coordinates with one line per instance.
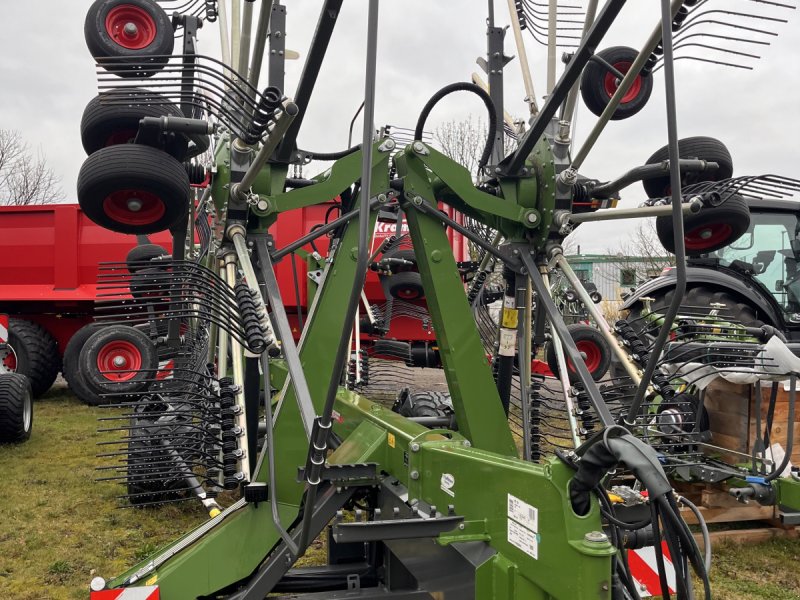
(523, 513)
(510, 314)
(446, 483)
(523, 538)
(508, 342)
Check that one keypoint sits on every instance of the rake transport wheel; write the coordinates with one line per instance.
(135, 189)
(71, 370)
(598, 84)
(712, 228)
(703, 148)
(113, 118)
(118, 360)
(16, 408)
(141, 257)
(130, 38)
(33, 352)
(592, 345)
(423, 404)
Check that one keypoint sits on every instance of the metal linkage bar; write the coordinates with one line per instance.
(316, 53)
(560, 329)
(677, 214)
(284, 333)
(514, 162)
(693, 206)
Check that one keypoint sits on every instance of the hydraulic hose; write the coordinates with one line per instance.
(462, 86)
(331, 155)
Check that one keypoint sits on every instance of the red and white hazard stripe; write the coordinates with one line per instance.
(148, 592)
(644, 569)
(3, 329)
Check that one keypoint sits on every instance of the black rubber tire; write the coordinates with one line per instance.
(150, 285)
(16, 408)
(584, 335)
(36, 354)
(700, 147)
(97, 345)
(112, 177)
(723, 225)
(129, 61)
(71, 370)
(597, 89)
(423, 404)
(140, 256)
(105, 124)
(406, 285)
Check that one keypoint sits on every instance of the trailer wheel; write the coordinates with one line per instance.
(406, 285)
(33, 352)
(712, 228)
(118, 359)
(598, 84)
(130, 38)
(140, 257)
(133, 189)
(704, 148)
(592, 344)
(113, 118)
(72, 372)
(16, 408)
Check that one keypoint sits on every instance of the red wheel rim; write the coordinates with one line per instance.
(611, 83)
(130, 26)
(120, 137)
(707, 236)
(592, 352)
(408, 293)
(134, 207)
(8, 360)
(119, 360)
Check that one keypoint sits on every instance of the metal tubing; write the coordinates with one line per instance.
(563, 374)
(559, 328)
(649, 171)
(237, 361)
(316, 454)
(222, 17)
(236, 24)
(284, 331)
(274, 138)
(623, 88)
(514, 163)
(320, 231)
(691, 207)
(605, 328)
(677, 214)
(237, 236)
(552, 42)
(572, 99)
(244, 41)
(262, 29)
(522, 55)
(224, 337)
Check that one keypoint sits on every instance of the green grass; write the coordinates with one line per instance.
(59, 528)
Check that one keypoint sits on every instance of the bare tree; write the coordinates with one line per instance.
(639, 257)
(464, 141)
(25, 177)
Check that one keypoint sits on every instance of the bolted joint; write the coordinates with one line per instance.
(420, 148)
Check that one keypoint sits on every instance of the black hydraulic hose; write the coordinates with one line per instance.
(773, 396)
(462, 86)
(789, 433)
(662, 573)
(331, 155)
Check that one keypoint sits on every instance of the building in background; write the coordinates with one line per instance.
(616, 274)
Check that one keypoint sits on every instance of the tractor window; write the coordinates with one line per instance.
(770, 249)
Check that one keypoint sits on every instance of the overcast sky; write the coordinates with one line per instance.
(48, 77)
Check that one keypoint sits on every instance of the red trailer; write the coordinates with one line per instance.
(48, 281)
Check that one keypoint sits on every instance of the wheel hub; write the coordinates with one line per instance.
(130, 30)
(119, 361)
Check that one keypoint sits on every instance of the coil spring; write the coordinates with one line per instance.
(264, 114)
(477, 286)
(585, 407)
(535, 417)
(251, 319)
(496, 363)
(642, 356)
(211, 11)
(523, 21)
(196, 173)
(364, 367)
